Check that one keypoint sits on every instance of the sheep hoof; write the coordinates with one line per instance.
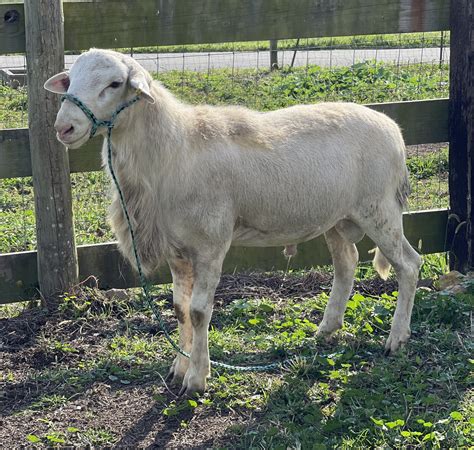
(193, 384)
(395, 342)
(327, 329)
(174, 379)
(190, 391)
(177, 370)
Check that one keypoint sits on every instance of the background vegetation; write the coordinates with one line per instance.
(367, 82)
(91, 372)
(407, 40)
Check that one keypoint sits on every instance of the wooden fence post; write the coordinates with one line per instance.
(57, 256)
(461, 136)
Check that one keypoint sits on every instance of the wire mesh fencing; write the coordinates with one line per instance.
(17, 216)
(368, 69)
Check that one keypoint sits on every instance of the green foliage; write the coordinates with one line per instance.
(434, 266)
(346, 393)
(49, 401)
(89, 437)
(445, 308)
(17, 227)
(13, 107)
(408, 40)
(353, 397)
(364, 82)
(96, 437)
(367, 82)
(175, 408)
(33, 438)
(429, 165)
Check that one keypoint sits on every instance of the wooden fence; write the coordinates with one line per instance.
(131, 23)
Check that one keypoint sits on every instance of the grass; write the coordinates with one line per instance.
(346, 395)
(13, 107)
(90, 374)
(429, 165)
(364, 83)
(407, 40)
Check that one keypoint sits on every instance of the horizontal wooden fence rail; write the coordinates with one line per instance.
(426, 230)
(422, 122)
(133, 23)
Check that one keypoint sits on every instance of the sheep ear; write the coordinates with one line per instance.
(138, 81)
(59, 83)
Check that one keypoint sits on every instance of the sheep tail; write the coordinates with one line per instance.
(381, 264)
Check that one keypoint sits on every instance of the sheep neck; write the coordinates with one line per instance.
(150, 139)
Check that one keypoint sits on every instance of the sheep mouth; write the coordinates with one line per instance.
(76, 142)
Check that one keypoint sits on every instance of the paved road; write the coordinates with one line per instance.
(204, 61)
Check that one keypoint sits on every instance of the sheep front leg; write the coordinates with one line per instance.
(183, 279)
(206, 279)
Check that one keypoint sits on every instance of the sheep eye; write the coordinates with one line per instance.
(115, 84)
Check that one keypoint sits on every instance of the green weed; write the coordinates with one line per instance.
(407, 40)
(49, 401)
(429, 165)
(343, 393)
(96, 437)
(13, 107)
(364, 82)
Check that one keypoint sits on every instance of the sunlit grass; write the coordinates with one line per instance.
(339, 393)
(364, 83)
(406, 40)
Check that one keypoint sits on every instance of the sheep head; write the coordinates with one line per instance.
(103, 80)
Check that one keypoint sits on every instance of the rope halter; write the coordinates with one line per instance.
(96, 123)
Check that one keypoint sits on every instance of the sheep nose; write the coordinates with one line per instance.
(64, 130)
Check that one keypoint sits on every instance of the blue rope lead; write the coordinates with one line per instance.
(109, 124)
(96, 123)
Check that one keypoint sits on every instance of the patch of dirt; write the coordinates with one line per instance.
(281, 286)
(130, 414)
(18, 332)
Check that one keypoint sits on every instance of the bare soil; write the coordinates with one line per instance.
(132, 413)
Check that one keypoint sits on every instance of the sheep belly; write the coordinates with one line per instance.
(247, 236)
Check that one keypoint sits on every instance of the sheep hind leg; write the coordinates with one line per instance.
(407, 275)
(182, 273)
(387, 233)
(345, 257)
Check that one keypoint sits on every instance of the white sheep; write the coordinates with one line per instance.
(198, 179)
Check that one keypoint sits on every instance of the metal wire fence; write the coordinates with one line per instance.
(360, 69)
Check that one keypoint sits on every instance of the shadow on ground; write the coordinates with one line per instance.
(56, 379)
